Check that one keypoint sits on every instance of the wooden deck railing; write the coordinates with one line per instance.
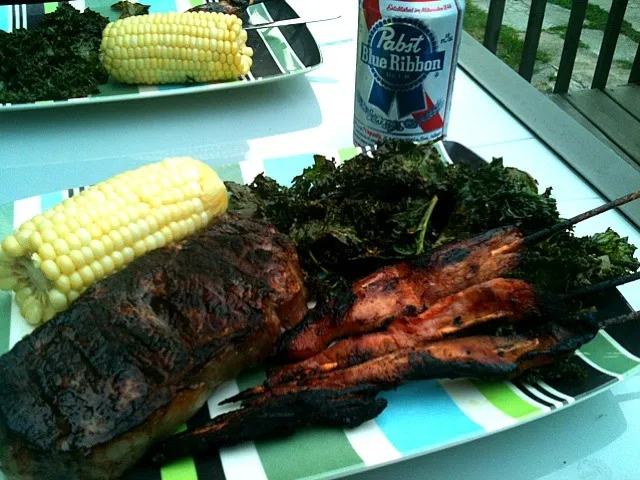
(571, 41)
(532, 38)
(494, 22)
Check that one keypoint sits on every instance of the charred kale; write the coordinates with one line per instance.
(59, 59)
(130, 9)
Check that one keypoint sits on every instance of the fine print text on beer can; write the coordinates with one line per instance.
(407, 56)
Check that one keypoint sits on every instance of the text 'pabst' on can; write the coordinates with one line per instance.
(407, 56)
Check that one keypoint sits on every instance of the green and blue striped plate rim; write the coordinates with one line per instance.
(421, 417)
(279, 53)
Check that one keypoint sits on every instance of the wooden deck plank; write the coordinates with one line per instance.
(564, 104)
(616, 123)
(628, 97)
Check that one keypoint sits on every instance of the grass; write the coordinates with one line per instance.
(596, 19)
(510, 44)
(624, 64)
(561, 31)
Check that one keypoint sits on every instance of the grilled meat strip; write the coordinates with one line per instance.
(347, 397)
(500, 298)
(479, 356)
(475, 356)
(404, 289)
(88, 393)
(277, 417)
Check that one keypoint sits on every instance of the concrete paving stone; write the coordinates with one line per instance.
(516, 13)
(625, 48)
(585, 64)
(633, 10)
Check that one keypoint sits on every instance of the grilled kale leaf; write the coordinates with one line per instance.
(579, 261)
(615, 251)
(493, 196)
(366, 208)
(59, 59)
(130, 9)
(244, 202)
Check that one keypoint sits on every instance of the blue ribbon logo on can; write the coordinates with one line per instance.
(400, 53)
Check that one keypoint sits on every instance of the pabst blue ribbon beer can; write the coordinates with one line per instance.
(407, 56)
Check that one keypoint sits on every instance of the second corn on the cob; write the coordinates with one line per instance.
(52, 258)
(176, 48)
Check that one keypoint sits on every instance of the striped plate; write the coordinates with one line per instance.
(421, 417)
(278, 52)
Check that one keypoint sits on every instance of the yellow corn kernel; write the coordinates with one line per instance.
(65, 264)
(50, 269)
(76, 281)
(63, 284)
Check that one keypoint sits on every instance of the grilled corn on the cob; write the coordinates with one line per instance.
(54, 257)
(176, 48)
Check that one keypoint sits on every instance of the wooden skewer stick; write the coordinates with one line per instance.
(602, 286)
(548, 232)
(630, 317)
(291, 21)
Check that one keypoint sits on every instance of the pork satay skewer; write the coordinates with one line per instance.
(479, 304)
(278, 417)
(347, 398)
(546, 233)
(457, 357)
(481, 356)
(510, 300)
(408, 288)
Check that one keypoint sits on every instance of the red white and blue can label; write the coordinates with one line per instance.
(407, 55)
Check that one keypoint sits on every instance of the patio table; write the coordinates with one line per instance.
(53, 149)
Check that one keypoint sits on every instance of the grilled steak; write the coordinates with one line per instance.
(85, 395)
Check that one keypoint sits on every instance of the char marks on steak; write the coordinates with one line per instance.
(87, 394)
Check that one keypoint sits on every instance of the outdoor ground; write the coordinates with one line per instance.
(555, 23)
